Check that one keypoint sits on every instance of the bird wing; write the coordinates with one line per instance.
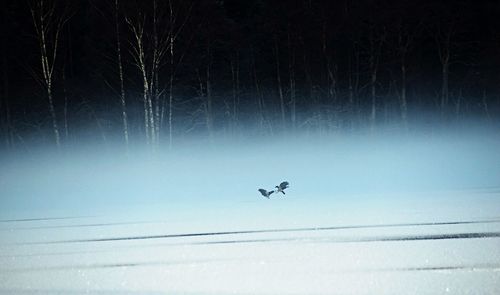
(263, 192)
(284, 185)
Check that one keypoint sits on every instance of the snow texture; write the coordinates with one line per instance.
(391, 216)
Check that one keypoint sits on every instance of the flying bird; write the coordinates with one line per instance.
(281, 188)
(265, 193)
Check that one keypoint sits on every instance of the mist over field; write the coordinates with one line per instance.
(388, 213)
(328, 168)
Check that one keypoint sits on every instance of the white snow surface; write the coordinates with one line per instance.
(395, 217)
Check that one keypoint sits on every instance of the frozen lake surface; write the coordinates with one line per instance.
(434, 243)
(362, 216)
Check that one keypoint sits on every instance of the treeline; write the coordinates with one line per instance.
(155, 71)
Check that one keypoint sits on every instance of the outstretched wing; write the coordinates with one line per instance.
(263, 192)
(284, 185)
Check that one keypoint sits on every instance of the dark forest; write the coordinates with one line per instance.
(157, 72)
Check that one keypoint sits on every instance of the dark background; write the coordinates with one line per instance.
(339, 64)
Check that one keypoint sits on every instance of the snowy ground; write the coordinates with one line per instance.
(449, 242)
(408, 219)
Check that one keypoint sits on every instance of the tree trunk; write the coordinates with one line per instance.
(171, 74)
(171, 94)
(278, 78)
(351, 86)
(404, 103)
(444, 85)
(65, 110)
(235, 77)
(145, 90)
(485, 106)
(120, 73)
(351, 93)
(260, 103)
(208, 88)
(208, 105)
(458, 105)
(48, 83)
(357, 80)
(174, 30)
(46, 22)
(291, 71)
(157, 103)
(443, 40)
(373, 113)
(4, 103)
(376, 40)
(404, 40)
(307, 72)
(354, 79)
(373, 81)
(52, 111)
(140, 62)
(330, 69)
(155, 68)
(151, 116)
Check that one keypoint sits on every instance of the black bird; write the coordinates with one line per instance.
(281, 188)
(265, 193)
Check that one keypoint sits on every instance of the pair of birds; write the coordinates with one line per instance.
(279, 189)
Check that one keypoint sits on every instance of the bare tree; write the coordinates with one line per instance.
(208, 90)
(353, 81)
(235, 77)
(331, 67)
(278, 78)
(258, 92)
(4, 105)
(176, 25)
(48, 23)
(149, 48)
(307, 68)
(291, 72)
(65, 109)
(404, 41)
(160, 47)
(5, 123)
(147, 66)
(486, 108)
(139, 55)
(376, 40)
(154, 38)
(443, 36)
(5, 116)
(120, 74)
(171, 39)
